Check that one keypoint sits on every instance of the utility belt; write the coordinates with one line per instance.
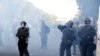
(67, 41)
(87, 38)
(86, 41)
(23, 39)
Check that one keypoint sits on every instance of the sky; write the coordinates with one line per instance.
(63, 9)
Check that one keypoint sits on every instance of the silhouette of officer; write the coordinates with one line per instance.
(67, 38)
(44, 34)
(87, 34)
(23, 34)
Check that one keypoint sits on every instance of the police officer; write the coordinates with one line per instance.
(23, 34)
(44, 34)
(87, 34)
(67, 38)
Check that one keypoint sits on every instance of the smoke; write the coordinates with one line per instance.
(11, 14)
(32, 11)
(64, 10)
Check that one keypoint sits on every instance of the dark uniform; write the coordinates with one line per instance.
(23, 34)
(87, 34)
(67, 39)
(44, 34)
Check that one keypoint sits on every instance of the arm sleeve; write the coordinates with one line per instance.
(93, 32)
(18, 33)
(27, 33)
(61, 28)
(80, 33)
